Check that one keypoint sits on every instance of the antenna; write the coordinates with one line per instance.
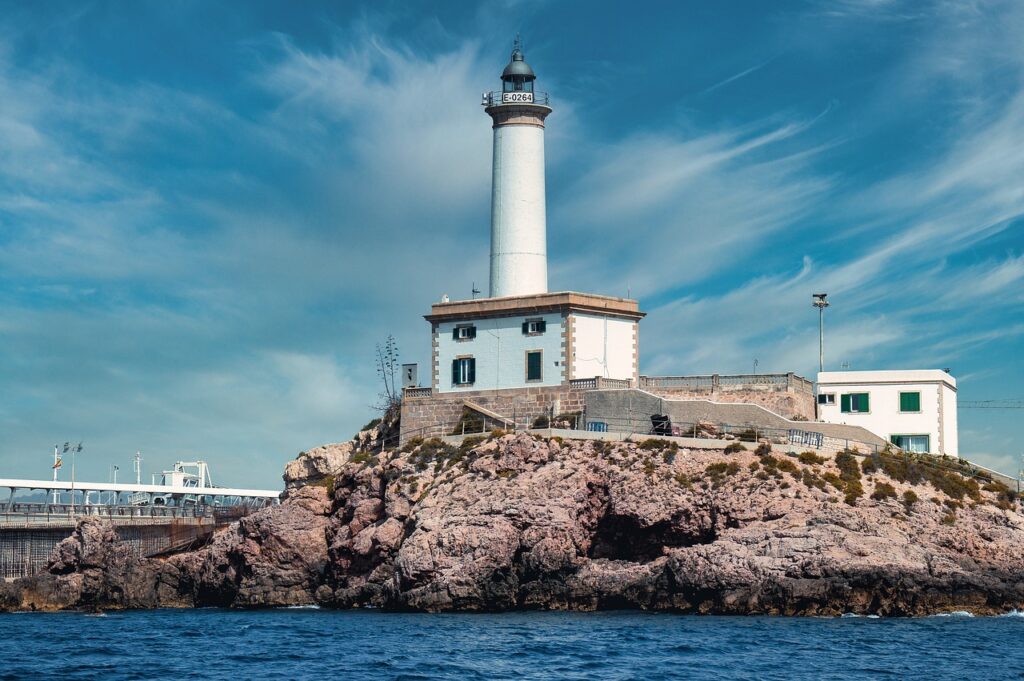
(475, 291)
(137, 467)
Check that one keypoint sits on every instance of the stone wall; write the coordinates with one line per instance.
(439, 414)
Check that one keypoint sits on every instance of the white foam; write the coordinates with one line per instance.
(1013, 613)
(955, 613)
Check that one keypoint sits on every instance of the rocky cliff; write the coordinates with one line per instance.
(518, 521)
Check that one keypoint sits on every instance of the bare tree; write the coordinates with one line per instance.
(388, 369)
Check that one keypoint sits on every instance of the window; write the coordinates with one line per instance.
(534, 327)
(534, 359)
(912, 443)
(463, 371)
(854, 403)
(910, 402)
(827, 398)
(464, 332)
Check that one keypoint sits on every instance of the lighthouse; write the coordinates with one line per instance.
(519, 258)
(531, 347)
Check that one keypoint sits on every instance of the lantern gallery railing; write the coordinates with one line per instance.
(498, 98)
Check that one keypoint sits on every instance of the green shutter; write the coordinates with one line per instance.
(455, 333)
(472, 370)
(533, 371)
(845, 404)
(526, 327)
(455, 372)
(542, 326)
(910, 401)
(865, 404)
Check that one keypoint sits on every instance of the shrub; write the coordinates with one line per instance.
(811, 459)
(833, 479)
(949, 519)
(849, 470)
(497, 432)
(372, 424)
(754, 465)
(362, 457)
(656, 443)
(763, 449)
(326, 482)
(811, 480)
(869, 466)
(883, 490)
(854, 490)
(909, 499)
(683, 480)
(669, 456)
(469, 422)
(719, 470)
(734, 447)
(471, 441)
(749, 435)
(541, 421)
(412, 444)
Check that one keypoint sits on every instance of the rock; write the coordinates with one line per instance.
(521, 522)
(317, 464)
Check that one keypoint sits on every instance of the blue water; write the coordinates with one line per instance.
(321, 644)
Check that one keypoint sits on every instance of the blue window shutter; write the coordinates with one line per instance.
(455, 333)
(526, 327)
(542, 326)
(472, 332)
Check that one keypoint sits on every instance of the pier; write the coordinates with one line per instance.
(150, 519)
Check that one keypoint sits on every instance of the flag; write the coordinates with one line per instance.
(58, 463)
(66, 445)
(79, 447)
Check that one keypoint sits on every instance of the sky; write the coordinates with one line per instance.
(211, 212)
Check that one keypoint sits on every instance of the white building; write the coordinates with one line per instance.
(522, 336)
(915, 410)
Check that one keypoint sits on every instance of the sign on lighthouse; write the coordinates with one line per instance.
(519, 259)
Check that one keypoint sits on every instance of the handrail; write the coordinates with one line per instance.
(494, 98)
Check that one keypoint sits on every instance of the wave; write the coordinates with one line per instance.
(847, 615)
(310, 606)
(1013, 613)
(954, 613)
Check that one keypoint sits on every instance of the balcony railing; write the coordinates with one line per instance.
(495, 98)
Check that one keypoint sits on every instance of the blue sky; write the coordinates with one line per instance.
(210, 212)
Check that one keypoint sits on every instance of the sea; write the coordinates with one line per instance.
(307, 643)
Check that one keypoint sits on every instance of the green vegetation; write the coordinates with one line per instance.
(364, 457)
(763, 449)
(372, 424)
(541, 421)
(813, 481)
(849, 474)
(326, 482)
(718, 471)
(949, 519)
(470, 442)
(883, 490)
(909, 499)
(811, 459)
(412, 444)
(734, 447)
(469, 422)
(683, 480)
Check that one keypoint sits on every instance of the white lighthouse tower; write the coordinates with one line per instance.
(519, 259)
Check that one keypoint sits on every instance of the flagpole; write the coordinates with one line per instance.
(56, 465)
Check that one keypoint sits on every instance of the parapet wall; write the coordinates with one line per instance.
(632, 408)
(788, 395)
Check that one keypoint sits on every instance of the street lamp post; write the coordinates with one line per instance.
(821, 303)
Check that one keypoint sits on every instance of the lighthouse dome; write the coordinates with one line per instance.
(518, 68)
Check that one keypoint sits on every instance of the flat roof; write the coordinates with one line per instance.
(883, 377)
(535, 304)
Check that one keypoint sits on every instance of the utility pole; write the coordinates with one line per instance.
(820, 303)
